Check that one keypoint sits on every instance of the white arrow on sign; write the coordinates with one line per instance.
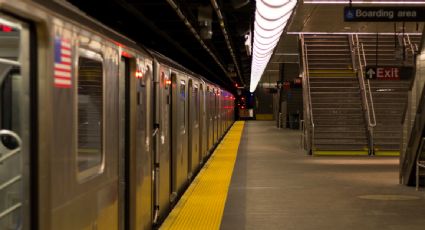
(370, 72)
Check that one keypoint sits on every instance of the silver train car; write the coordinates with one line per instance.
(96, 132)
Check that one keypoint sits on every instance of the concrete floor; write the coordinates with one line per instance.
(275, 185)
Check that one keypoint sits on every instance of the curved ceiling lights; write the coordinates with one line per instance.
(271, 17)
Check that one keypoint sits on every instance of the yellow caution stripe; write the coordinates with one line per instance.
(202, 205)
(387, 153)
(340, 153)
(264, 117)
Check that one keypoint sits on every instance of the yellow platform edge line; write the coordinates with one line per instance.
(340, 153)
(202, 205)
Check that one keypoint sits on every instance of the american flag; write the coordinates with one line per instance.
(62, 68)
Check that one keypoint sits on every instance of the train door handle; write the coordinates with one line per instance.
(155, 131)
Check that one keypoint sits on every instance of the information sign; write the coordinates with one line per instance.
(384, 14)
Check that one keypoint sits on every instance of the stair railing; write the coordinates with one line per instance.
(308, 132)
(367, 98)
(413, 48)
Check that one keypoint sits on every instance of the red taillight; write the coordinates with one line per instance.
(5, 28)
(125, 54)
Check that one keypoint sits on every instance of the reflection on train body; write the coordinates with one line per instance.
(95, 131)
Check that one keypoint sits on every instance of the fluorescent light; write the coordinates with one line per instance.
(361, 2)
(270, 20)
(10, 24)
(345, 33)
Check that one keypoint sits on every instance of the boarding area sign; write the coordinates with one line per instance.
(388, 73)
(384, 14)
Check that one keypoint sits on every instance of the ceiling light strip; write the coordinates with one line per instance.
(362, 2)
(349, 33)
(198, 37)
(270, 21)
(226, 36)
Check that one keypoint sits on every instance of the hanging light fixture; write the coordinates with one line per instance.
(270, 20)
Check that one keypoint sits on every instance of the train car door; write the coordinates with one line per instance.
(179, 134)
(17, 108)
(210, 117)
(215, 112)
(203, 124)
(139, 159)
(124, 156)
(164, 142)
(193, 153)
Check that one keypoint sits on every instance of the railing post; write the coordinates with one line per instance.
(308, 111)
(366, 93)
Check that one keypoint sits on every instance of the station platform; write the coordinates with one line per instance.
(275, 185)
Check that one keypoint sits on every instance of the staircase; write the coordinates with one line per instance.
(339, 125)
(389, 97)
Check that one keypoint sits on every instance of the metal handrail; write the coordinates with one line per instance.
(418, 164)
(371, 124)
(413, 47)
(302, 126)
(10, 182)
(306, 74)
(362, 62)
(10, 210)
(366, 92)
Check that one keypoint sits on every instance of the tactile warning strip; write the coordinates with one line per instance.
(202, 205)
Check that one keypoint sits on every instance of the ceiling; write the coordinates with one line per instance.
(325, 18)
(156, 24)
(160, 25)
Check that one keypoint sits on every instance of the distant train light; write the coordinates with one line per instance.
(5, 28)
(139, 74)
(236, 85)
(125, 54)
(168, 82)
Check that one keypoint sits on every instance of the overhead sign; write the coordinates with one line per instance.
(384, 14)
(388, 72)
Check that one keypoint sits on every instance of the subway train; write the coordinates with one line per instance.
(96, 132)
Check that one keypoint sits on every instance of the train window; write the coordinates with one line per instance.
(183, 103)
(10, 79)
(14, 124)
(90, 115)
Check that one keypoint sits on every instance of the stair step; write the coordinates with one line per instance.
(332, 84)
(337, 105)
(334, 89)
(339, 116)
(337, 147)
(334, 135)
(335, 100)
(380, 146)
(334, 141)
(339, 129)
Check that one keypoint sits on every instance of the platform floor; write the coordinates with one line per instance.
(275, 185)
